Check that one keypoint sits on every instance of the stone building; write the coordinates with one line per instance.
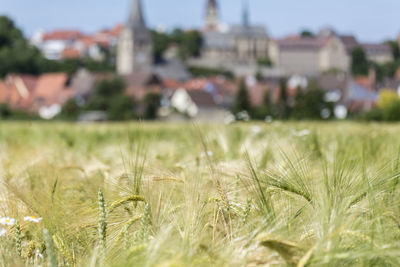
(310, 55)
(135, 45)
(236, 45)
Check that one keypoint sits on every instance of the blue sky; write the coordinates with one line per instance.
(369, 20)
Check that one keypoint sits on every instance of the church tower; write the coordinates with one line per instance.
(211, 21)
(135, 45)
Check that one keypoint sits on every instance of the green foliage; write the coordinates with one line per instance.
(9, 33)
(5, 111)
(308, 104)
(109, 96)
(281, 109)
(306, 33)
(207, 72)
(360, 65)
(242, 100)
(121, 107)
(70, 110)
(18, 56)
(161, 42)
(189, 43)
(392, 111)
(386, 70)
(265, 109)
(152, 102)
(375, 114)
(395, 49)
(265, 62)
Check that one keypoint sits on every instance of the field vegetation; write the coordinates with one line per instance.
(278, 194)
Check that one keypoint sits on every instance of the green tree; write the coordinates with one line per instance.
(306, 33)
(242, 100)
(309, 104)
(70, 110)
(281, 108)
(109, 96)
(395, 49)
(360, 64)
(152, 102)
(16, 55)
(191, 44)
(177, 36)
(265, 109)
(392, 111)
(161, 42)
(9, 33)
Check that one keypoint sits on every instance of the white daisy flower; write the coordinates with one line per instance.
(3, 232)
(209, 154)
(40, 255)
(32, 219)
(7, 221)
(303, 133)
(256, 129)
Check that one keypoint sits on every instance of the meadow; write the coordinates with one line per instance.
(151, 194)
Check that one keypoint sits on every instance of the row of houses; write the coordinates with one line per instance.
(198, 98)
(74, 44)
(239, 48)
(327, 50)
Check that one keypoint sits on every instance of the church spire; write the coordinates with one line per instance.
(245, 15)
(212, 4)
(136, 19)
(211, 20)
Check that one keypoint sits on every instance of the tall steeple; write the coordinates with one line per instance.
(211, 20)
(135, 45)
(245, 15)
(136, 19)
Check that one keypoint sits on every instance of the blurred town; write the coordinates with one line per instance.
(216, 73)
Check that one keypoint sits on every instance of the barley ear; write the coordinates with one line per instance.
(102, 227)
(145, 225)
(18, 238)
(30, 250)
(246, 212)
(63, 249)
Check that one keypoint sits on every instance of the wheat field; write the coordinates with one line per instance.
(152, 194)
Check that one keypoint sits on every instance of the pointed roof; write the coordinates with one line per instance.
(212, 4)
(245, 14)
(136, 19)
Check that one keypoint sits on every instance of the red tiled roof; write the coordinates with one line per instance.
(172, 84)
(30, 81)
(140, 84)
(87, 41)
(102, 38)
(117, 30)
(3, 92)
(19, 91)
(63, 35)
(52, 89)
(195, 84)
(71, 53)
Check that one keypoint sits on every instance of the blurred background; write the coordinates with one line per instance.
(204, 60)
